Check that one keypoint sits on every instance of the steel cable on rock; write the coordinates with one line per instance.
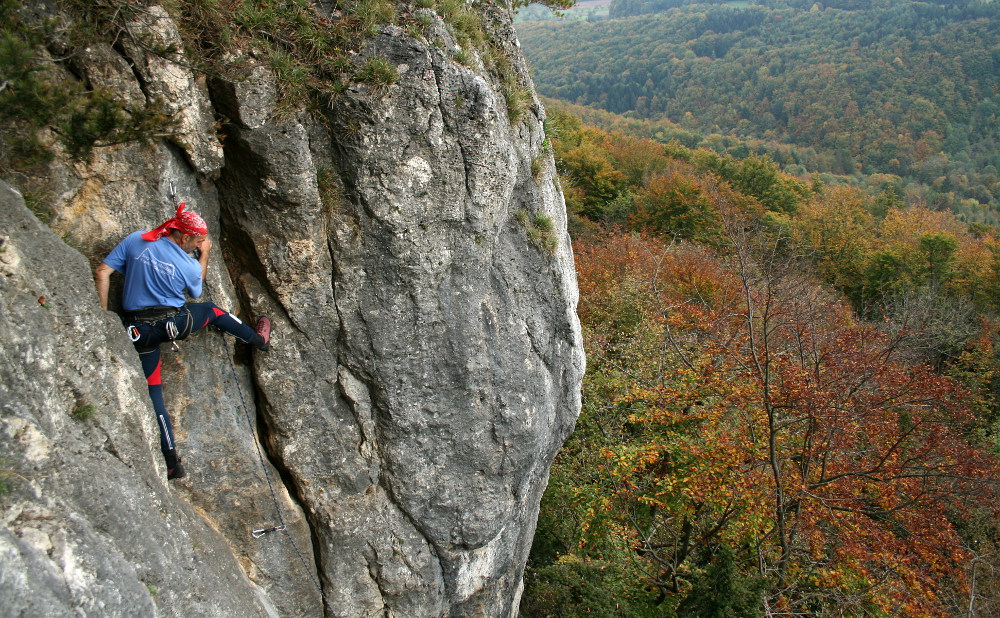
(281, 527)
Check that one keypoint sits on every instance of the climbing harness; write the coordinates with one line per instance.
(152, 315)
(156, 315)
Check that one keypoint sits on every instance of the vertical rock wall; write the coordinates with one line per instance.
(426, 359)
(89, 525)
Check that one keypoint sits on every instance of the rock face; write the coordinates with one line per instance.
(90, 527)
(425, 363)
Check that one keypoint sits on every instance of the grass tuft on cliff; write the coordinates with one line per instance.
(540, 230)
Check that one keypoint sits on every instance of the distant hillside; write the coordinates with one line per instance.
(907, 89)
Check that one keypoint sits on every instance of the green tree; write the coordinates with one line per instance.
(723, 591)
(676, 205)
(938, 250)
(593, 172)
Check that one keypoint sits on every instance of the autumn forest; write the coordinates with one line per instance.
(792, 399)
(905, 92)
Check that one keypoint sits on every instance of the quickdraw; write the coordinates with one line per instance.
(259, 532)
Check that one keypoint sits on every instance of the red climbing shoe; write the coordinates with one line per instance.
(263, 331)
(177, 472)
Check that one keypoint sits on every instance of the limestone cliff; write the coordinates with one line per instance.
(425, 363)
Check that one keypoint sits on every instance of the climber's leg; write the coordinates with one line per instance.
(147, 338)
(151, 362)
(203, 314)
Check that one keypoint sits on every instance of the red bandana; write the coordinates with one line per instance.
(187, 222)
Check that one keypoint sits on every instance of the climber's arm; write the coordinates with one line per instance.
(102, 279)
(204, 248)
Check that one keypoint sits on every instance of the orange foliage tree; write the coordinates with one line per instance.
(758, 438)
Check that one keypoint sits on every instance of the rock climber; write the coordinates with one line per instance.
(158, 272)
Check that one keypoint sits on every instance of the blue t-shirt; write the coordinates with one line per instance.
(156, 273)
